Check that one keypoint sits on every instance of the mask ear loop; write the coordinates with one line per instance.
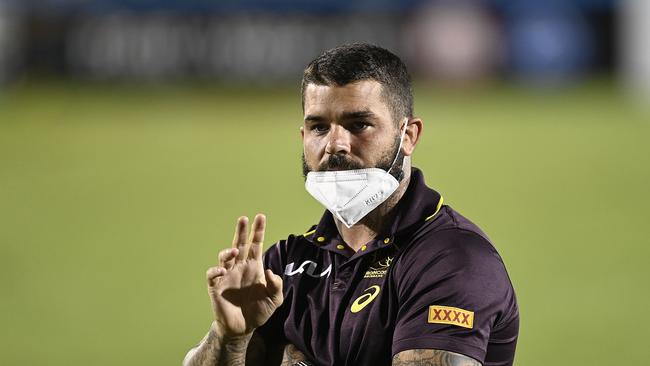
(401, 140)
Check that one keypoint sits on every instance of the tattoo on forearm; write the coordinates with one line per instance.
(432, 357)
(234, 353)
(205, 353)
(292, 356)
(212, 352)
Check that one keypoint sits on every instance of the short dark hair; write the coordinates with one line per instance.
(361, 61)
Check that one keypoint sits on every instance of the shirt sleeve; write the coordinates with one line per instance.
(452, 290)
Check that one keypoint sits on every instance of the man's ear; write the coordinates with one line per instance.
(412, 135)
(302, 133)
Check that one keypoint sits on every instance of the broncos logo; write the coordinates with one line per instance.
(381, 265)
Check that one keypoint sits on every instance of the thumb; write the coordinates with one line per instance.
(273, 285)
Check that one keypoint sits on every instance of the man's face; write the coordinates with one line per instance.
(348, 127)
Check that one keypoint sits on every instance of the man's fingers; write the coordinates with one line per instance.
(239, 241)
(226, 257)
(274, 286)
(257, 236)
(241, 229)
(213, 273)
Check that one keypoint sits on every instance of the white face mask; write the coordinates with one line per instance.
(351, 194)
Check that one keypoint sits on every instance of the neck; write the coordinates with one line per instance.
(371, 225)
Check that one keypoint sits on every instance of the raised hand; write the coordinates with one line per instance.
(243, 294)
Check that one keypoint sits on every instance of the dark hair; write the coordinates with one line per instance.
(361, 61)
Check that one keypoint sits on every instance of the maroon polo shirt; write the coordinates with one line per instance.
(431, 280)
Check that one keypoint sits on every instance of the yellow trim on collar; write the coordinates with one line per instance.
(437, 209)
(309, 232)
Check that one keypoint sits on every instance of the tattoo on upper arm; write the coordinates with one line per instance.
(432, 357)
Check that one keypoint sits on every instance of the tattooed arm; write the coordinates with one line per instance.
(293, 356)
(214, 350)
(217, 350)
(432, 357)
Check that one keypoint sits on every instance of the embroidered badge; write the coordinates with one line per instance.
(450, 315)
(369, 294)
(379, 268)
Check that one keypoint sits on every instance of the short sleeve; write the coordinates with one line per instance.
(452, 290)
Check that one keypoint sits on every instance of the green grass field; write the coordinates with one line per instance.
(115, 199)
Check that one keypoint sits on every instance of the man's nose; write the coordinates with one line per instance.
(338, 140)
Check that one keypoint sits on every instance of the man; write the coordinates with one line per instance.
(390, 275)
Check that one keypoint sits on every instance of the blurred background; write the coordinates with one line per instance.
(134, 133)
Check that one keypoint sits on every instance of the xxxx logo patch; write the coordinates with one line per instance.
(450, 315)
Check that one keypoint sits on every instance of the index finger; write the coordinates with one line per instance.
(257, 237)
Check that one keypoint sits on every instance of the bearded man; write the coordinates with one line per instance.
(390, 275)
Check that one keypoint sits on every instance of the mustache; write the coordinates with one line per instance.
(339, 162)
(334, 162)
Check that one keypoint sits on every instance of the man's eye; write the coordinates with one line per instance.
(320, 128)
(359, 126)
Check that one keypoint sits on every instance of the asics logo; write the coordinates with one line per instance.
(369, 294)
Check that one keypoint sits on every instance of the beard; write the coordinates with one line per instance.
(342, 162)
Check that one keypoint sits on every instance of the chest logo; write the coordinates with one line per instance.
(379, 268)
(448, 315)
(365, 299)
(307, 267)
